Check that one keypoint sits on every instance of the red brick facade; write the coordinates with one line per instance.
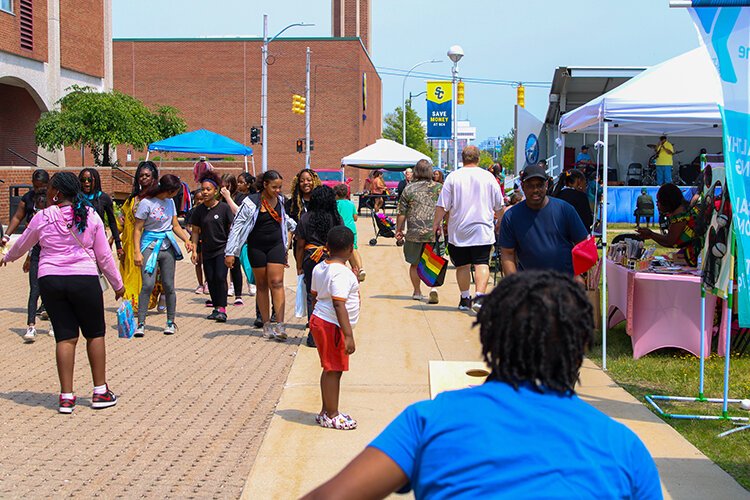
(351, 18)
(10, 31)
(216, 85)
(18, 116)
(82, 36)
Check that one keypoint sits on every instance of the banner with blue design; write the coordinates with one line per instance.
(439, 110)
(725, 32)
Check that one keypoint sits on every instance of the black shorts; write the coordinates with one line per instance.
(463, 256)
(261, 257)
(73, 303)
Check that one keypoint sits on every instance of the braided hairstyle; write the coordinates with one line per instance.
(250, 181)
(535, 328)
(69, 189)
(96, 180)
(323, 212)
(148, 164)
(297, 205)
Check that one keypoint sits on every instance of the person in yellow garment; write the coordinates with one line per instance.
(664, 152)
(145, 175)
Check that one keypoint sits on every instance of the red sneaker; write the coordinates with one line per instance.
(67, 405)
(99, 401)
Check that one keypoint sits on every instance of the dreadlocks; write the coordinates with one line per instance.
(96, 180)
(297, 205)
(322, 211)
(69, 189)
(535, 327)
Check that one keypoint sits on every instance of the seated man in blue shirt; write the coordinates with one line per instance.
(540, 232)
(522, 434)
(584, 158)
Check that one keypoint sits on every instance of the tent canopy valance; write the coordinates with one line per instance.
(201, 141)
(678, 97)
(384, 154)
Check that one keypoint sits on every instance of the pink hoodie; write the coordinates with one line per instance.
(61, 254)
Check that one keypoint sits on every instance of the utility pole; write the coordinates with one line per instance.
(307, 110)
(264, 94)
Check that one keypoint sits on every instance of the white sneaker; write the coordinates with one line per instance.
(30, 335)
(139, 331)
(268, 331)
(199, 290)
(279, 330)
(51, 332)
(362, 275)
(417, 296)
(230, 291)
(206, 291)
(252, 290)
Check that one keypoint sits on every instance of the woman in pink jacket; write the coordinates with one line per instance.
(74, 248)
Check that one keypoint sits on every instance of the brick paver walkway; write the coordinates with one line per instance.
(192, 412)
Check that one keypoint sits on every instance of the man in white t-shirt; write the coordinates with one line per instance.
(472, 200)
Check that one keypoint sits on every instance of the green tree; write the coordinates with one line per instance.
(101, 120)
(485, 159)
(415, 133)
(508, 151)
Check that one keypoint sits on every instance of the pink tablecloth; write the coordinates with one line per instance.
(661, 310)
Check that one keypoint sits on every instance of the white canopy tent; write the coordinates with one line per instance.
(680, 97)
(385, 154)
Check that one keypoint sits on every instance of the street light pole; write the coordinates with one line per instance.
(403, 97)
(264, 84)
(455, 53)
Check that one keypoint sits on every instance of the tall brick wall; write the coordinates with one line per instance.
(82, 36)
(346, 25)
(216, 85)
(10, 32)
(18, 116)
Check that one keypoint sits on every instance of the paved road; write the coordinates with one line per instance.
(193, 408)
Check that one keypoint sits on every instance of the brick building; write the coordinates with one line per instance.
(216, 84)
(45, 47)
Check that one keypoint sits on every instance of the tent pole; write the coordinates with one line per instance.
(604, 245)
(245, 163)
(148, 152)
(252, 160)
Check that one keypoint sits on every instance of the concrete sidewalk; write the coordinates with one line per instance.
(396, 338)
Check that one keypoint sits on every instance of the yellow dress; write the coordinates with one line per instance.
(131, 274)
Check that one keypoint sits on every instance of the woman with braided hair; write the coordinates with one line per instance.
(312, 232)
(302, 187)
(523, 433)
(73, 250)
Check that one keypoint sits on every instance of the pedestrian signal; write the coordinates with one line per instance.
(300, 145)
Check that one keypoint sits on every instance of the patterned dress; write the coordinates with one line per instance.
(689, 241)
(131, 274)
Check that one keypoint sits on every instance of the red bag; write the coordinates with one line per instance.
(585, 255)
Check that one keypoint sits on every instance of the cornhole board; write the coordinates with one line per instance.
(452, 375)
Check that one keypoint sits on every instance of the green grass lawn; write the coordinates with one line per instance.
(675, 372)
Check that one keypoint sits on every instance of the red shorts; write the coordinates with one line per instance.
(330, 341)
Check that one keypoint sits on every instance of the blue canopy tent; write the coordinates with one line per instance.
(203, 141)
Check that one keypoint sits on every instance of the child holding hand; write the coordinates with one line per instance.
(335, 290)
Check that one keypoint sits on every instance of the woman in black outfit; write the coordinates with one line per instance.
(229, 193)
(311, 234)
(91, 185)
(574, 192)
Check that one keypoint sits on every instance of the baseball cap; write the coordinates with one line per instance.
(584, 147)
(202, 158)
(533, 171)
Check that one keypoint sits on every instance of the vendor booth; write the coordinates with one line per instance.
(657, 102)
(203, 141)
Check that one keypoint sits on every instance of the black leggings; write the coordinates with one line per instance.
(74, 302)
(33, 287)
(236, 274)
(216, 276)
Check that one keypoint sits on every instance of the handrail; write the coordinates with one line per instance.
(43, 158)
(115, 167)
(22, 157)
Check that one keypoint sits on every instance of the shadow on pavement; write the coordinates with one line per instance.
(28, 398)
(298, 417)
(392, 297)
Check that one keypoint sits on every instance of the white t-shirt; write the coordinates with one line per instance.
(471, 195)
(157, 214)
(334, 281)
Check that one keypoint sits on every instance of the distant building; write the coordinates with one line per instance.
(216, 84)
(45, 47)
(466, 134)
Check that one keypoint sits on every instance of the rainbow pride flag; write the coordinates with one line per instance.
(432, 267)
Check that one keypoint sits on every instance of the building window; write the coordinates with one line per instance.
(6, 5)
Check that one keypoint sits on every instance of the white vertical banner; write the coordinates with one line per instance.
(725, 32)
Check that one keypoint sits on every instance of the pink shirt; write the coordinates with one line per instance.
(61, 254)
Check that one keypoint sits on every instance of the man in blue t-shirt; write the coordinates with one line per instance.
(522, 434)
(540, 232)
(584, 158)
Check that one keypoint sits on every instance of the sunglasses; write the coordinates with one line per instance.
(87, 180)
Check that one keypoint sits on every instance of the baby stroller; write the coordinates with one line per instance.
(384, 226)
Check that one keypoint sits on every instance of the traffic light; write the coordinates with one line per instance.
(300, 145)
(254, 135)
(521, 95)
(460, 93)
(299, 104)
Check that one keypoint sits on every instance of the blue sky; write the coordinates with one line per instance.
(502, 39)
